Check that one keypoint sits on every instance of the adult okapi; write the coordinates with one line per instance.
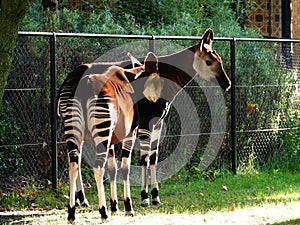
(176, 71)
(97, 106)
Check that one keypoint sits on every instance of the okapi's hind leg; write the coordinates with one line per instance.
(127, 146)
(100, 124)
(79, 195)
(73, 174)
(100, 161)
(74, 127)
(112, 169)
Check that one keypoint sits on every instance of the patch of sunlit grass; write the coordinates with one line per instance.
(180, 195)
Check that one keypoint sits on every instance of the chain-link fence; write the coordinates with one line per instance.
(262, 109)
(267, 101)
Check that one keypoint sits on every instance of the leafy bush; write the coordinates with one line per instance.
(256, 62)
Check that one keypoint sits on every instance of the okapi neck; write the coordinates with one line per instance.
(178, 67)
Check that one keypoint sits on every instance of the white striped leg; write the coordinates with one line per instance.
(79, 183)
(144, 192)
(74, 128)
(101, 156)
(73, 167)
(127, 195)
(127, 146)
(100, 124)
(144, 136)
(153, 158)
(99, 173)
(112, 169)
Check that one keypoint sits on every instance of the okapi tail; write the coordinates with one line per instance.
(69, 87)
(58, 114)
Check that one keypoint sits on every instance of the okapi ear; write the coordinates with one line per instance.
(134, 61)
(206, 42)
(134, 73)
(151, 63)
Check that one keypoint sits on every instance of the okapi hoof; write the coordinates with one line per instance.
(155, 198)
(129, 213)
(71, 214)
(103, 213)
(128, 207)
(85, 203)
(145, 202)
(79, 197)
(115, 213)
(145, 199)
(114, 207)
(156, 202)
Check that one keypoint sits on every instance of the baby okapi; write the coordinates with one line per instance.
(98, 107)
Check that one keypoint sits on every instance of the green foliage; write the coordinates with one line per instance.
(270, 90)
(11, 129)
(143, 12)
(287, 156)
(258, 70)
(131, 17)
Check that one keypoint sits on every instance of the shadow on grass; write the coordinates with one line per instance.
(12, 220)
(289, 222)
(20, 218)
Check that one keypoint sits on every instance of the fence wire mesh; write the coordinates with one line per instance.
(267, 106)
(267, 103)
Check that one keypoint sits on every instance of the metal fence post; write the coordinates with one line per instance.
(53, 110)
(233, 104)
(151, 44)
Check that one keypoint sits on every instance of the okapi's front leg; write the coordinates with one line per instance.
(150, 140)
(153, 158)
(127, 146)
(144, 136)
(112, 169)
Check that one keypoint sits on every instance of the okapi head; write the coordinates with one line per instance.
(207, 62)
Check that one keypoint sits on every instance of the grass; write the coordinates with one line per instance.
(198, 196)
(180, 194)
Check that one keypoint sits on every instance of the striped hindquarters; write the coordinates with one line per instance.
(74, 124)
(100, 124)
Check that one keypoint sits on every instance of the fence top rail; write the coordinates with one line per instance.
(151, 37)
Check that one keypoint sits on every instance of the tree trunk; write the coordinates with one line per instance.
(12, 13)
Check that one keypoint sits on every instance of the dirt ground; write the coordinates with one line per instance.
(280, 214)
